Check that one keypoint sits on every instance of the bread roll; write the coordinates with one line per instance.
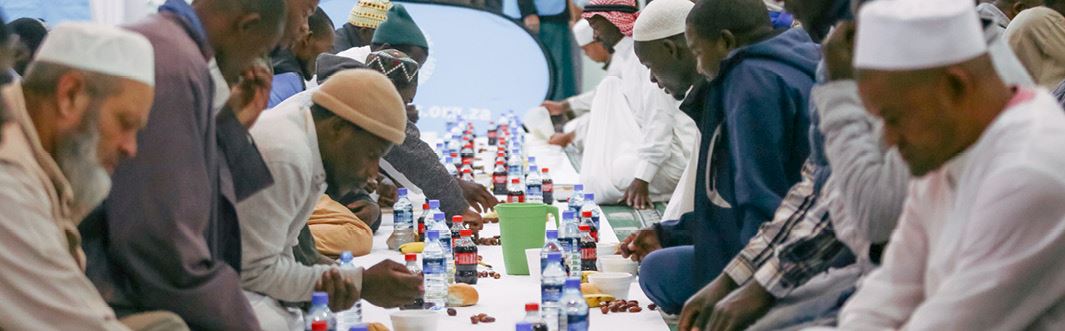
(378, 327)
(462, 295)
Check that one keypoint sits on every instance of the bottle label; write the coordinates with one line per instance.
(549, 187)
(466, 258)
(587, 253)
(550, 292)
(513, 198)
(446, 244)
(434, 265)
(576, 322)
(500, 179)
(534, 190)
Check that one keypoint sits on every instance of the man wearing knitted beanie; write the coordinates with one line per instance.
(363, 21)
(329, 143)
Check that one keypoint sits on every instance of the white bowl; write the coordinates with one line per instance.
(617, 263)
(606, 249)
(415, 320)
(616, 284)
(532, 257)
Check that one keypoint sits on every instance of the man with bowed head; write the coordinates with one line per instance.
(330, 143)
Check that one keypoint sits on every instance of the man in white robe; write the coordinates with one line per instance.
(979, 244)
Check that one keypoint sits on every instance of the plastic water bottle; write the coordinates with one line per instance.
(576, 201)
(548, 186)
(440, 225)
(574, 306)
(450, 166)
(534, 186)
(590, 205)
(434, 267)
(353, 316)
(403, 230)
(570, 238)
(319, 313)
(514, 166)
(434, 208)
(551, 283)
(415, 269)
(551, 245)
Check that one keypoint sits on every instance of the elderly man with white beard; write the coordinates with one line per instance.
(72, 119)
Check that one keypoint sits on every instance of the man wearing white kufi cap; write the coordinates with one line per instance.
(75, 116)
(981, 235)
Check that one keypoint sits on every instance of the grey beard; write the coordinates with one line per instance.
(76, 156)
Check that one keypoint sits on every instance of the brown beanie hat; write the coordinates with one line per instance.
(367, 99)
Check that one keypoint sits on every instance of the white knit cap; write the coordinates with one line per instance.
(100, 48)
(896, 35)
(582, 32)
(661, 19)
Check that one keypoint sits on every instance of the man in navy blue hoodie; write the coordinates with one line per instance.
(754, 125)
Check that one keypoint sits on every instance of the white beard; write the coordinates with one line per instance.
(76, 156)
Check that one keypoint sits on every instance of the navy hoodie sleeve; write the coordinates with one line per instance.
(763, 107)
(676, 232)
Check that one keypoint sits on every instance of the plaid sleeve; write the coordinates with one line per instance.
(762, 247)
(811, 249)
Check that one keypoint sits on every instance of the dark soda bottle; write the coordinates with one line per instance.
(416, 269)
(588, 254)
(493, 136)
(421, 221)
(532, 316)
(467, 154)
(586, 219)
(548, 186)
(499, 179)
(515, 193)
(466, 259)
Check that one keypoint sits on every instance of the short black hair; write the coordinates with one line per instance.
(320, 23)
(31, 31)
(709, 17)
(271, 11)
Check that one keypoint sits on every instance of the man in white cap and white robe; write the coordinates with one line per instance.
(980, 239)
(75, 116)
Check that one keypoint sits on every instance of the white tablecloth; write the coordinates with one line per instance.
(505, 298)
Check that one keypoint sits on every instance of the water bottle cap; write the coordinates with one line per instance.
(585, 228)
(360, 327)
(586, 213)
(425, 205)
(433, 235)
(555, 257)
(319, 326)
(434, 204)
(319, 299)
(589, 196)
(568, 215)
(532, 306)
(438, 217)
(532, 159)
(552, 234)
(578, 187)
(466, 233)
(533, 168)
(345, 256)
(448, 159)
(402, 191)
(574, 282)
(456, 219)
(523, 326)
(410, 257)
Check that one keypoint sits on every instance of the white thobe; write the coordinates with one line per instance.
(636, 131)
(981, 241)
(270, 221)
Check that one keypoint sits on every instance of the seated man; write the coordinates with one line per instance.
(1037, 35)
(754, 122)
(330, 144)
(364, 19)
(294, 65)
(414, 160)
(638, 142)
(984, 222)
(74, 118)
